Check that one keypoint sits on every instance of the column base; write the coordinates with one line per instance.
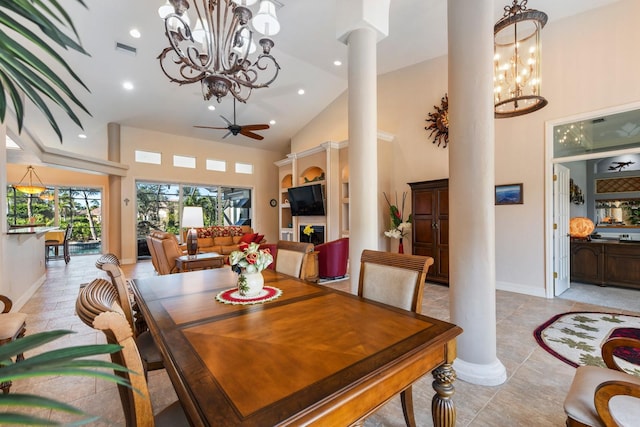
(489, 375)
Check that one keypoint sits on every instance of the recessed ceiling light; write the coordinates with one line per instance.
(82, 136)
(337, 63)
(135, 33)
(272, 122)
(127, 85)
(211, 107)
(300, 91)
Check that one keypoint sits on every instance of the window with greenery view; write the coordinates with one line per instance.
(81, 207)
(160, 206)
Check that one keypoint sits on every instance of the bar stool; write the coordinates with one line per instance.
(12, 327)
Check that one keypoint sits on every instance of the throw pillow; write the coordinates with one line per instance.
(248, 238)
(258, 238)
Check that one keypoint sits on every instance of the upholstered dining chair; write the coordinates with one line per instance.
(397, 280)
(296, 259)
(12, 326)
(97, 305)
(151, 357)
(607, 396)
(55, 245)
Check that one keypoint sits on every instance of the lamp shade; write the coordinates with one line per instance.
(30, 187)
(265, 22)
(192, 216)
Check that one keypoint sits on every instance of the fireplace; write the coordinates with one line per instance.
(317, 237)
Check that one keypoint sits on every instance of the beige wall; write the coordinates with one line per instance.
(264, 180)
(588, 64)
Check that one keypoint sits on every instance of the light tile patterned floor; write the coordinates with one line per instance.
(532, 395)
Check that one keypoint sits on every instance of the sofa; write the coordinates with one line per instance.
(224, 239)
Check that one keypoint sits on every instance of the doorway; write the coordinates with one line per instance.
(590, 136)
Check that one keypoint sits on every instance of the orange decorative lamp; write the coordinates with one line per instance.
(580, 227)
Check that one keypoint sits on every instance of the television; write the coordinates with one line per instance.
(307, 200)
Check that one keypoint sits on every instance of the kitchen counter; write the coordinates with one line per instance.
(21, 231)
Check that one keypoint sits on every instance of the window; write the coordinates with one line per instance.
(184, 162)
(160, 206)
(245, 168)
(79, 206)
(148, 157)
(216, 165)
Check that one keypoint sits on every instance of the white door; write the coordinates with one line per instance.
(561, 259)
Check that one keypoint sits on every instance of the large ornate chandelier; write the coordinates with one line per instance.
(517, 61)
(217, 51)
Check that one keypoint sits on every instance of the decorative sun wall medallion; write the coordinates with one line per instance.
(440, 122)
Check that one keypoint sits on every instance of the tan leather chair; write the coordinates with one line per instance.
(297, 259)
(12, 326)
(152, 251)
(151, 357)
(397, 280)
(604, 396)
(167, 249)
(97, 305)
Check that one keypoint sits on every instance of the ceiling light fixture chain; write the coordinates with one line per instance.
(517, 74)
(217, 51)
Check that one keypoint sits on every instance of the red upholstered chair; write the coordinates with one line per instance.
(333, 258)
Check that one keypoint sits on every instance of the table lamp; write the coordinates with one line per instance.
(192, 217)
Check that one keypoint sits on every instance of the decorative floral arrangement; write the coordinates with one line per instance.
(251, 260)
(308, 230)
(399, 227)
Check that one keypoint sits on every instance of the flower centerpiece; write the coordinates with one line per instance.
(249, 263)
(308, 230)
(399, 227)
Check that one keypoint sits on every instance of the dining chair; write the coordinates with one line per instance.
(151, 357)
(605, 396)
(296, 259)
(12, 326)
(98, 307)
(55, 245)
(397, 280)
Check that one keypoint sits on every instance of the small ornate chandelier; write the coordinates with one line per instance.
(30, 188)
(216, 51)
(517, 61)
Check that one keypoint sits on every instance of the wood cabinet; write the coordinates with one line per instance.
(606, 263)
(430, 230)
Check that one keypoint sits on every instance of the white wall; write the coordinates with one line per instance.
(588, 64)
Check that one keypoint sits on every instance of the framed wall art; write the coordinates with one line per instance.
(509, 194)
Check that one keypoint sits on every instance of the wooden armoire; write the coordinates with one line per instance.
(430, 231)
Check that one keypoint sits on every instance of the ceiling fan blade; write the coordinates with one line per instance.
(226, 134)
(255, 127)
(209, 127)
(250, 134)
(227, 121)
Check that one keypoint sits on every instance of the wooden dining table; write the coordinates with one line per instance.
(312, 356)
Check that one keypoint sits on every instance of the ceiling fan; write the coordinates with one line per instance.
(235, 128)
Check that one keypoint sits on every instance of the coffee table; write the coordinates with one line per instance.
(199, 261)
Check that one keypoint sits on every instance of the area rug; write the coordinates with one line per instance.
(576, 338)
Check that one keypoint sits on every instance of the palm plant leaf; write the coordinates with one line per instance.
(63, 361)
(21, 70)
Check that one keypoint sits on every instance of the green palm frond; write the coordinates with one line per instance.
(63, 361)
(21, 70)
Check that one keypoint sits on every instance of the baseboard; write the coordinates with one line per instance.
(17, 304)
(521, 289)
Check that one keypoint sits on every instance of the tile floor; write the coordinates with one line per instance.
(532, 395)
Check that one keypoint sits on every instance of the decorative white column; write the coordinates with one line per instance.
(361, 24)
(114, 223)
(471, 190)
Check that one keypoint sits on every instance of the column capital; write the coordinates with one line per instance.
(358, 14)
